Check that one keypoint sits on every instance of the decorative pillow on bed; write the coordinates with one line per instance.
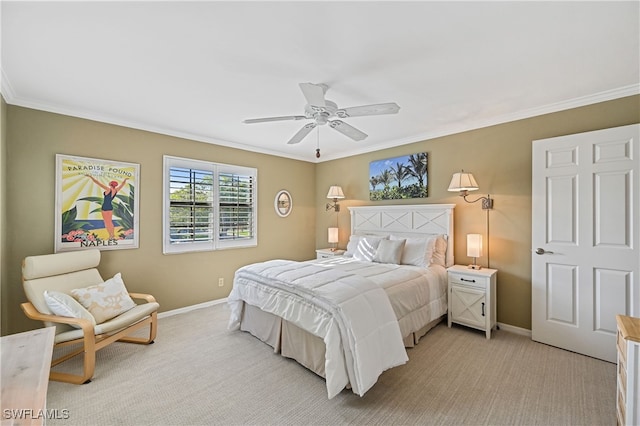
(424, 251)
(105, 301)
(352, 245)
(354, 240)
(439, 255)
(367, 247)
(416, 251)
(389, 251)
(63, 305)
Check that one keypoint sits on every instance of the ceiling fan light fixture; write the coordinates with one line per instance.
(321, 111)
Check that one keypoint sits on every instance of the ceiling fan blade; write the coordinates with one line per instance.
(314, 93)
(267, 119)
(301, 133)
(347, 130)
(375, 109)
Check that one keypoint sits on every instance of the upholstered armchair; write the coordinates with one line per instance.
(66, 290)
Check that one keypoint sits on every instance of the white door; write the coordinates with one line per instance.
(586, 234)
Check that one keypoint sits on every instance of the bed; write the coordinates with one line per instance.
(349, 318)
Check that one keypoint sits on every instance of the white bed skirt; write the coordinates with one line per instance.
(293, 342)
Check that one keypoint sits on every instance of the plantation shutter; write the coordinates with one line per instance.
(191, 205)
(236, 205)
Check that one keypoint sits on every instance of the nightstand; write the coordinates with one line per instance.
(327, 253)
(472, 297)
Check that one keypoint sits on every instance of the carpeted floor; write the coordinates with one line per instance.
(198, 373)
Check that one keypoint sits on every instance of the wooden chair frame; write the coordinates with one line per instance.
(91, 343)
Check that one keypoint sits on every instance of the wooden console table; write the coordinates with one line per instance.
(26, 361)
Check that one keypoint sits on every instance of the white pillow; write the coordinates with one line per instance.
(389, 251)
(354, 240)
(106, 300)
(63, 305)
(416, 251)
(352, 245)
(367, 247)
(424, 251)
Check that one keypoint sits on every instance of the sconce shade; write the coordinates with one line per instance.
(463, 182)
(474, 245)
(333, 235)
(335, 192)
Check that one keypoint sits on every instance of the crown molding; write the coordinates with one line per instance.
(5, 87)
(102, 118)
(622, 92)
(630, 90)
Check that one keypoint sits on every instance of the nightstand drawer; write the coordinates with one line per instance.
(328, 253)
(468, 280)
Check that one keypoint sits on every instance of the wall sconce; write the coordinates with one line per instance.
(333, 238)
(335, 193)
(474, 249)
(464, 182)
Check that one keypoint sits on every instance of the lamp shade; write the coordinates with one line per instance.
(333, 235)
(474, 245)
(463, 182)
(335, 192)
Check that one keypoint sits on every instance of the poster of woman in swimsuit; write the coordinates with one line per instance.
(96, 204)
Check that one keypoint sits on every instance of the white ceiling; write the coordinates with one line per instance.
(197, 69)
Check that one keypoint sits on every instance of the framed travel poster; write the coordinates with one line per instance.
(96, 204)
(398, 178)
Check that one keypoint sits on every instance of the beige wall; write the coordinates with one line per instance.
(33, 139)
(3, 223)
(499, 156)
(500, 159)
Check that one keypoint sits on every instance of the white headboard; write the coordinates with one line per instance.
(405, 220)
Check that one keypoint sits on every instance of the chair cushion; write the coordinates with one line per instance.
(106, 300)
(63, 305)
(48, 265)
(116, 324)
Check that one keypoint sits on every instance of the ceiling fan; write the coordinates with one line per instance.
(321, 110)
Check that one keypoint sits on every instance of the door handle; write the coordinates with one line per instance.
(540, 250)
(482, 308)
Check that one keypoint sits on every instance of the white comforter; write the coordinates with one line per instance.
(351, 313)
(418, 295)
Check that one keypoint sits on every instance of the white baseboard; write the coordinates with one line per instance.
(514, 329)
(505, 327)
(191, 308)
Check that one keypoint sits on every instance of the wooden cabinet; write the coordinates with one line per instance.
(327, 253)
(628, 346)
(472, 297)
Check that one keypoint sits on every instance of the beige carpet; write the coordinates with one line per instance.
(198, 373)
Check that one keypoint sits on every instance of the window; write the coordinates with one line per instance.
(208, 206)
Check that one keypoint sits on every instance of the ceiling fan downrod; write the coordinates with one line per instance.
(318, 144)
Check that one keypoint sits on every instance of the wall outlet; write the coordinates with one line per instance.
(220, 282)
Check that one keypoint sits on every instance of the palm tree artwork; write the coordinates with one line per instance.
(398, 178)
